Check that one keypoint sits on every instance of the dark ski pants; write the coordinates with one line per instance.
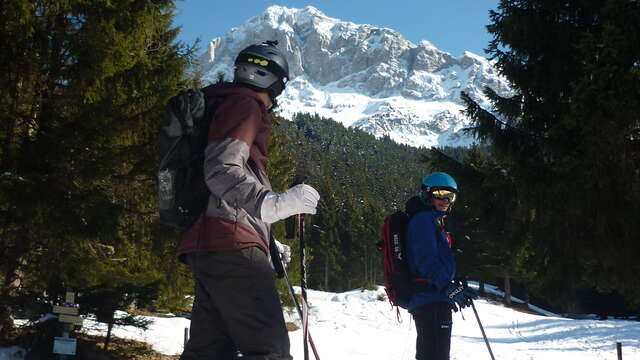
(236, 308)
(433, 325)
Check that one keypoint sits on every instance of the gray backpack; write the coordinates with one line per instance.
(182, 191)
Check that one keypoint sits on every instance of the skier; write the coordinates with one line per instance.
(430, 257)
(236, 310)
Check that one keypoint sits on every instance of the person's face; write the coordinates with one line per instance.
(440, 204)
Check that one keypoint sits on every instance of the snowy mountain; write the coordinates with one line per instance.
(364, 76)
(360, 324)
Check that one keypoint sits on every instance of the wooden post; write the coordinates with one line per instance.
(67, 316)
(69, 297)
(619, 348)
(107, 341)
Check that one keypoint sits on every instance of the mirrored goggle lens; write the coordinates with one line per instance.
(444, 194)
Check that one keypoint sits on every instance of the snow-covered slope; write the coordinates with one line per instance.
(359, 324)
(364, 76)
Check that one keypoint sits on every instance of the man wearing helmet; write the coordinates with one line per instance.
(430, 261)
(236, 309)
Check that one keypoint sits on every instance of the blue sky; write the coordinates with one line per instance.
(451, 25)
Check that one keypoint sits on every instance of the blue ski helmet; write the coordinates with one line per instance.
(439, 180)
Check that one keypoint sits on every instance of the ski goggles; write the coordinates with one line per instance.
(442, 194)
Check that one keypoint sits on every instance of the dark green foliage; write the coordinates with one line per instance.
(550, 202)
(84, 84)
(281, 170)
(568, 138)
(360, 179)
(103, 302)
(488, 224)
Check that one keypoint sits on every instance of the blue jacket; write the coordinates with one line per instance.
(429, 256)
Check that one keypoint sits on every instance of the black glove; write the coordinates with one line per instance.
(470, 294)
(460, 295)
(276, 260)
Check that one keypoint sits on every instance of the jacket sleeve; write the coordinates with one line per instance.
(237, 122)
(422, 251)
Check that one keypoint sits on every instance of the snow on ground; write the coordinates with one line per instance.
(12, 353)
(166, 334)
(359, 325)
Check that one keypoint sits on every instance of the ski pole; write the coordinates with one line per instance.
(297, 304)
(303, 286)
(300, 179)
(486, 341)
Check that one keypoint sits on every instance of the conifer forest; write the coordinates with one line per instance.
(550, 196)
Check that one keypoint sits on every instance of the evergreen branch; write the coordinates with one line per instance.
(486, 120)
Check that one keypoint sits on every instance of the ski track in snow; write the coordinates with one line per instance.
(358, 325)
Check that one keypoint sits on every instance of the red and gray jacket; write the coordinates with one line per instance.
(235, 172)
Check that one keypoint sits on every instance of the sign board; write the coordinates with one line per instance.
(65, 310)
(70, 297)
(64, 346)
(77, 320)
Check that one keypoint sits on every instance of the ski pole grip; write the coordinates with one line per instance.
(290, 222)
(299, 179)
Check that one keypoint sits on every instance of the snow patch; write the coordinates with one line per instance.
(353, 325)
(12, 353)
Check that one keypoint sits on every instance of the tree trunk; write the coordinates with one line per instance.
(507, 289)
(8, 329)
(12, 281)
(374, 269)
(326, 274)
(107, 340)
(366, 263)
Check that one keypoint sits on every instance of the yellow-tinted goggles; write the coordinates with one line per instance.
(442, 194)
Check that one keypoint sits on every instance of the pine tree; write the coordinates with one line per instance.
(566, 136)
(281, 170)
(84, 84)
(485, 221)
(326, 245)
(360, 178)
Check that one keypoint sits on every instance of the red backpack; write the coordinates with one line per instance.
(398, 282)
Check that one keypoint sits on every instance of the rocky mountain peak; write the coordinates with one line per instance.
(363, 75)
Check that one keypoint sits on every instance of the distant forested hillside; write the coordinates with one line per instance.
(360, 179)
(354, 161)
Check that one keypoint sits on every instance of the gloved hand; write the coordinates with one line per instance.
(470, 294)
(284, 250)
(300, 199)
(460, 295)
